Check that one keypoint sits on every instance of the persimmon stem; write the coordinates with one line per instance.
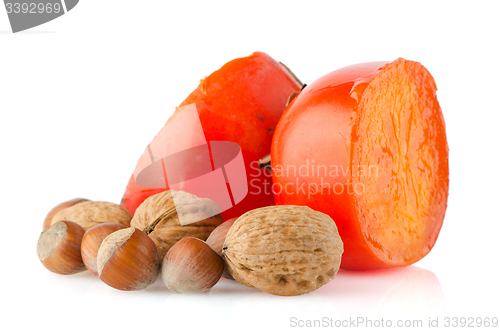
(265, 163)
(291, 97)
(292, 74)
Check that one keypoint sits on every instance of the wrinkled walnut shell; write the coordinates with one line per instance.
(161, 219)
(90, 213)
(283, 250)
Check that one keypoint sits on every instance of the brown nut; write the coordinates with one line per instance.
(90, 213)
(128, 260)
(48, 219)
(216, 241)
(166, 222)
(92, 240)
(283, 250)
(191, 266)
(58, 248)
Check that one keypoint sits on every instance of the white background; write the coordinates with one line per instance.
(82, 96)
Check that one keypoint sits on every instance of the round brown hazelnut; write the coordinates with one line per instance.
(58, 248)
(128, 260)
(216, 241)
(191, 266)
(92, 240)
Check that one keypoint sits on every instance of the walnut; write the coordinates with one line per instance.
(166, 222)
(90, 213)
(283, 250)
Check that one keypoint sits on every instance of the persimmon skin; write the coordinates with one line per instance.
(241, 102)
(324, 127)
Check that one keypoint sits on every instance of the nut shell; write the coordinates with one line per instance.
(92, 240)
(58, 248)
(191, 266)
(283, 250)
(90, 213)
(161, 218)
(128, 260)
(63, 205)
(216, 241)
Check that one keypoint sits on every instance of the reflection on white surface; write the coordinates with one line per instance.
(404, 292)
(409, 291)
(269, 306)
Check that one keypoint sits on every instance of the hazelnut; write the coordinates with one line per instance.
(191, 266)
(167, 222)
(92, 240)
(58, 248)
(216, 238)
(91, 213)
(216, 241)
(128, 260)
(58, 208)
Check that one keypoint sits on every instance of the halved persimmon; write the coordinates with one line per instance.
(366, 144)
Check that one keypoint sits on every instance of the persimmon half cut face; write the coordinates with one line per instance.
(373, 138)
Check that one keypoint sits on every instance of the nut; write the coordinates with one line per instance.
(166, 222)
(128, 260)
(92, 240)
(48, 219)
(90, 213)
(283, 250)
(216, 241)
(58, 248)
(191, 266)
(216, 238)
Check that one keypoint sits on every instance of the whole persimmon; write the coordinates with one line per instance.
(241, 103)
(366, 144)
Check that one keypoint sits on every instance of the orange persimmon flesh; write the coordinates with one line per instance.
(383, 123)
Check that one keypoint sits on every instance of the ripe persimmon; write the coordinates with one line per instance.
(366, 144)
(242, 103)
